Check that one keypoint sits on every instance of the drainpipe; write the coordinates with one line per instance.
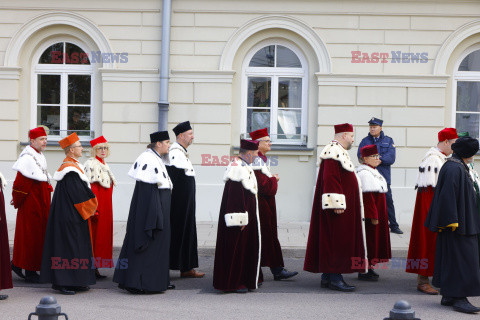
(164, 66)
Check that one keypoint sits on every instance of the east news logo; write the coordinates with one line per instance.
(93, 57)
(384, 57)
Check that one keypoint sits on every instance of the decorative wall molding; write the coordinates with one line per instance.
(275, 22)
(380, 80)
(51, 19)
(328, 13)
(10, 73)
(451, 43)
(212, 76)
(56, 8)
(128, 75)
(225, 76)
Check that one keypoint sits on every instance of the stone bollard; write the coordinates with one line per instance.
(402, 311)
(48, 309)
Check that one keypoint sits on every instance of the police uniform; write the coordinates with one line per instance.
(386, 148)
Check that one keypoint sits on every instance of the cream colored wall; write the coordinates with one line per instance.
(413, 102)
(407, 96)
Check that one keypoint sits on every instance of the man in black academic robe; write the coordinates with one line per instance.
(143, 265)
(67, 252)
(183, 245)
(454, 215)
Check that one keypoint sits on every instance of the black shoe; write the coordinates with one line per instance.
(32, 277)
(341, 286)
(243, 290)
(63, 290)
(3, 296)
(98, 275)
(396, 230)
(447, 301)
(79, 288)
(463, 305)
(17, 270)
(324, 283)
(284, 274)
(367, 277)
(133, 290)
(170, 286)
(373, 273)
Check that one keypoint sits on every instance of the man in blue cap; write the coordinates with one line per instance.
(386, 148)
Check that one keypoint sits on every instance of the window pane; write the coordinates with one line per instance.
(79, 88)
(468, 122)
(53, 54)
(49, 116)
(75, 55)
(468, 96)
(259, 92)
(258, 119)
(264, 57)
(471, 62)
(286, 58)
(289, 124)
(79, 120)
(290, 93)
(48, 89)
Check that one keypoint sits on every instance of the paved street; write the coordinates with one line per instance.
(299, 298)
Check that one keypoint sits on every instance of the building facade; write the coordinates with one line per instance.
(296, 67)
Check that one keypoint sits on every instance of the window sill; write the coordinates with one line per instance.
(294, 150)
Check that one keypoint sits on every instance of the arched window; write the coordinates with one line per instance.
(62, 90)
(274, 92)
(467, 86)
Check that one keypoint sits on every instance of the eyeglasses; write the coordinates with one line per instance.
(103, 148)
(267, 141)
(375, 156)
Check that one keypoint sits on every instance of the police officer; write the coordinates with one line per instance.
(386, 149)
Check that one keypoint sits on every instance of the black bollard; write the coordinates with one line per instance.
(402, 311)
(48, 309)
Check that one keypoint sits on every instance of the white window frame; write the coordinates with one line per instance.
(465, 76)
(275, 73)
(63, 70)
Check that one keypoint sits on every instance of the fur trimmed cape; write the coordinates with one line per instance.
(71, 165)
(3, 181)
(179, 158)
(99, 172)
(371, 179)
(239, 171)
(150, 168)
(32, 165)
(430, 167)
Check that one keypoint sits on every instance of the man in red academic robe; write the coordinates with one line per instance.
(336, 241)
(67, 253)
(374, 188)
(31, 196)
(267, 189)
(421, 251)
(5, 272)
(237, 253)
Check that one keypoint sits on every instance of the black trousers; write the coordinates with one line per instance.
(391, 209)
